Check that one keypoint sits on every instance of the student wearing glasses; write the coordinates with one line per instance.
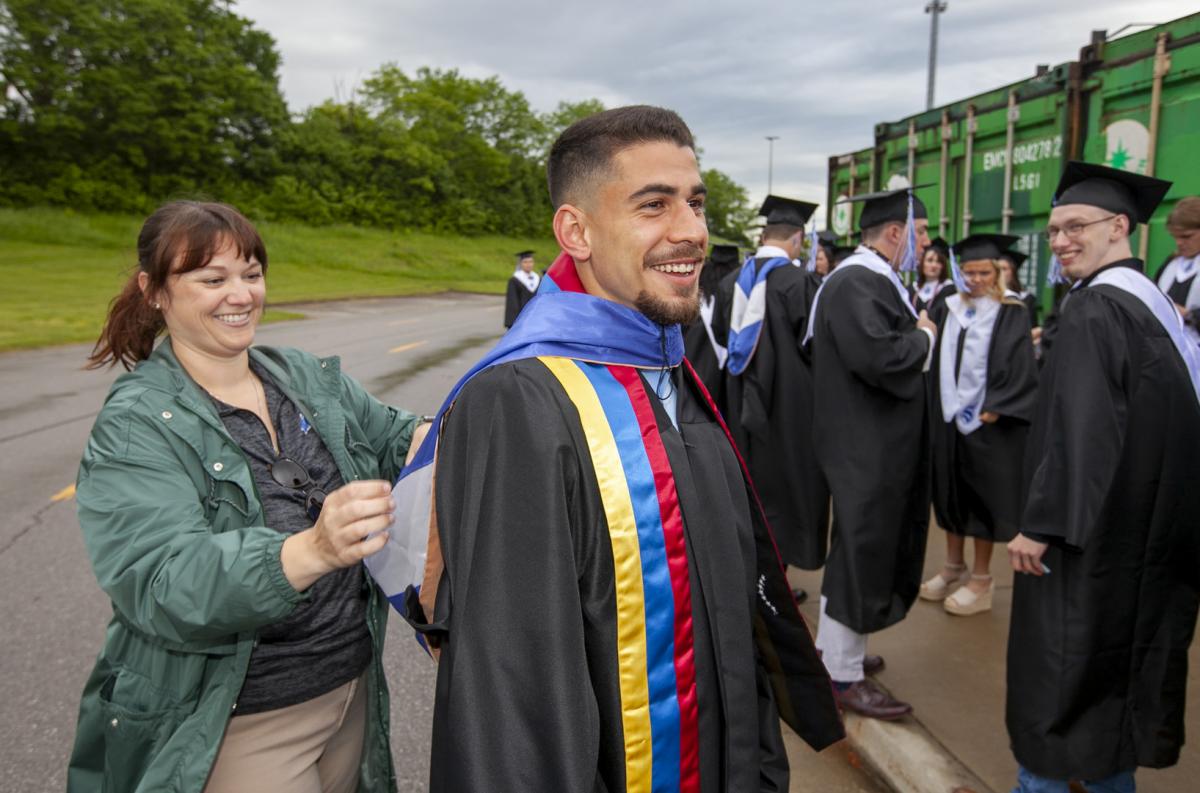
(227, 496)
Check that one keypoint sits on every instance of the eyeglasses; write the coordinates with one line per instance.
(1072, 230)
(289, 473)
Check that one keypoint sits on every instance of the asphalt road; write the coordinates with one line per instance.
(407, 352)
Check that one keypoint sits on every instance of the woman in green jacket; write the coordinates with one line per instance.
(227, 497)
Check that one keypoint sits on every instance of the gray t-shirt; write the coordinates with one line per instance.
(324, 642)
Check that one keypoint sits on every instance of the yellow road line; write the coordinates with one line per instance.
(64, 494)
(410, 346)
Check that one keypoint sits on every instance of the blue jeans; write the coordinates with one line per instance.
(1028, 782)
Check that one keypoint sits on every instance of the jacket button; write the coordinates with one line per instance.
(233, 707)
(166, 414)
(323, 364)
(113, 723)
(218, 467)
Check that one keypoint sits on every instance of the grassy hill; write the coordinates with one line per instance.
(61, 268)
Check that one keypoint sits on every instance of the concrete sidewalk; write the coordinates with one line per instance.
(952, 670)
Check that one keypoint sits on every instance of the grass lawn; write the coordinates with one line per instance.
(60, 269)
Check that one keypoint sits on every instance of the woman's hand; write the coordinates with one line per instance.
(1026, 555)
(352, 525)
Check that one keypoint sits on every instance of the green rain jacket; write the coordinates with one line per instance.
(173, 524)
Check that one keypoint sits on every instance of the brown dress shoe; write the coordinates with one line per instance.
(873, 665)
(867, 699)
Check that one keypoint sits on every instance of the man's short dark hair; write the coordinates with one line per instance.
(586, 148)
(779, 231)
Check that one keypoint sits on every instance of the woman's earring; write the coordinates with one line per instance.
(157, 306)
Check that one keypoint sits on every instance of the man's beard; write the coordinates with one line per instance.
(682, 310)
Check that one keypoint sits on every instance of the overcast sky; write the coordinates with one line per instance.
(817, 74)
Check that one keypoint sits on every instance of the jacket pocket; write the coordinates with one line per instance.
(227, 500)
(362, 456)
(138, 722)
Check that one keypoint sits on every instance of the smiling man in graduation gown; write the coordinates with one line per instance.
(1105, 611)
(625, 625)
(769, 388)
(870, 352)
(522, 286)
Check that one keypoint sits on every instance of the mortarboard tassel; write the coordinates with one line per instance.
(813, 242)
(956, 275)
(908, 264)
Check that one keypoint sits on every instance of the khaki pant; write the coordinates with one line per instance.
(313, 747)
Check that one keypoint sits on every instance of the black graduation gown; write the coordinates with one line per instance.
(518, 295)
(1032, 306)
(977, 477)
(871, 441)
(528, 696)
(1097, 652)
(699, 350)
(937, 306)
(770, 413)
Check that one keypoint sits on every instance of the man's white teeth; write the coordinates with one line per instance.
(675, 268)
(233, 319)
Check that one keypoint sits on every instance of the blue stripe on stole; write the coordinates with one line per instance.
(656, 575)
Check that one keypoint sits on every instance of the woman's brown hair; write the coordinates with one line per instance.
(179, 237)
(1185, 216)
(941, 257)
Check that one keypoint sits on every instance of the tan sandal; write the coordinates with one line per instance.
(938, 587)
(966, 601)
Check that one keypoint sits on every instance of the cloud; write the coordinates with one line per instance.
(819, 76)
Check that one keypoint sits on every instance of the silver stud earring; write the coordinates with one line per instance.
(157, 306)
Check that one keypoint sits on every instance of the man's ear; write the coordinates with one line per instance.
(571, 231)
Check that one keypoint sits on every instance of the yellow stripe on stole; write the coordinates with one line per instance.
(627, 564)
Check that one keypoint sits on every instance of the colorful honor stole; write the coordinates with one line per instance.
(655, 654)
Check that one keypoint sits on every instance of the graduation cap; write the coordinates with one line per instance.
(827, 237)
(1016, 257)
(725, 255)
(940, 245)
(888, 206)
(843, 252)
(983, 246)
(786, 211)
(524, 255)
(1118, 191)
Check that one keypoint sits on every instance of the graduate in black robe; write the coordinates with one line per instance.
(870, 353)
(983, 385)
(699, 343)
(1103, 616)
(769, 404)
(638, 555)
(522, 286)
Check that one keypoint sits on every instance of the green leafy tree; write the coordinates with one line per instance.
(728, 207)
(117, 104)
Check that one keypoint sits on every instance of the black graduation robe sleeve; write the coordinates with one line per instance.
(515, 300)
(1077, 440)
(515, 705)
(866, 326)
(1012, 368)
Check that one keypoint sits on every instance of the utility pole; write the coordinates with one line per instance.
(770, 159)
(934, 8)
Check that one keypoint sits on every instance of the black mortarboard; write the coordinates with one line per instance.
(1016, 257)
(786, 211)
(982, 246)
(939, 243)
(887, 206)
(724, 255)
(842, 252)
(827, 237)
(1118, 191)
(524, 254)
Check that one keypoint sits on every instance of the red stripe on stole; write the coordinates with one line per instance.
(677, 563)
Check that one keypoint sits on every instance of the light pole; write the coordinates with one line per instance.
(770, 159)
(934, 8)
